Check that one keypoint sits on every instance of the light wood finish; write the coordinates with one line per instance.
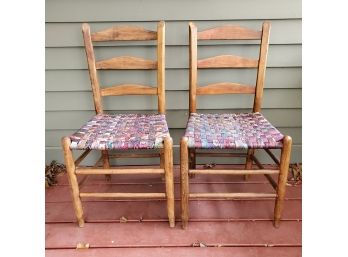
(169, 178)
(92, 68)
(225, 88)
(261, 72)
(275, 159)
(229, 32)
(126, 63)
(135, 155)
(233, 172)
(75, 192)
(117, 171)
(227, 61)
(161, 66)
(193, 66)
(184, 179)
(82, 157)
(232, 195)
(124, 33)
(125, 195)
(129, 89)
(283, 177)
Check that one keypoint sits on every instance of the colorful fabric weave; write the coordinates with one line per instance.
(121, 131)
(231, 131)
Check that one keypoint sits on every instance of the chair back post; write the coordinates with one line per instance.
(86, 31)
(161, 67)
(261, 72)
(193, 66)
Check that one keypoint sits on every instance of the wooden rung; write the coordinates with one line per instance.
(82, 157)
(129, 155)
(234, 172)
(225, 88)
(97, 171)
(275, 159)
(129, 89)
(229, 32)
(271, 181)
(126, 63)
(221, 154)
(232, 195)
(227, 61)
(124, 33)
(125, 195)
(269, 178)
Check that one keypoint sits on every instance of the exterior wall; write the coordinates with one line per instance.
(68, 93)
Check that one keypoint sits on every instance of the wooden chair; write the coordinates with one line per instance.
(105, 132)
(249, 131)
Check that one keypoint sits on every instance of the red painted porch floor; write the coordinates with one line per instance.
(216, 227)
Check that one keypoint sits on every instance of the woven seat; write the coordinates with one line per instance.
(121, 132)
(231, 131)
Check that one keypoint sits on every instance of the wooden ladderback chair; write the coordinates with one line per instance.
(106, 132)
(244, 131)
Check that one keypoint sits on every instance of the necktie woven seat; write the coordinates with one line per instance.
(121, 132)
(238, 134)
(117, 136)
(231, 131)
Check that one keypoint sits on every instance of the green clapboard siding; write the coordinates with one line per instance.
(68, 92)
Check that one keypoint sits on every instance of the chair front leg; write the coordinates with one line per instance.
(75, 192)
(184, 181)
(283, 177)
(169, 178)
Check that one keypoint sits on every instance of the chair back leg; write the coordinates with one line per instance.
(249, 161)
(106, 163)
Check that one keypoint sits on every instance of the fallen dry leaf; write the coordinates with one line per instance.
(123, 219)
(82, 245)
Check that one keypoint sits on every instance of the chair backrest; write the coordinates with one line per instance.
(128, 33)
(229, 32)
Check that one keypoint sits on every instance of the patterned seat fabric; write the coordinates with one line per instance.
(231, 131)
(121, 131)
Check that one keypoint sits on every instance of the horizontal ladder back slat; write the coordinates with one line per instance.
(126, 63)
(229, 32)
(129, 89)
(124, 33)
(227, 61)
(225, 88)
